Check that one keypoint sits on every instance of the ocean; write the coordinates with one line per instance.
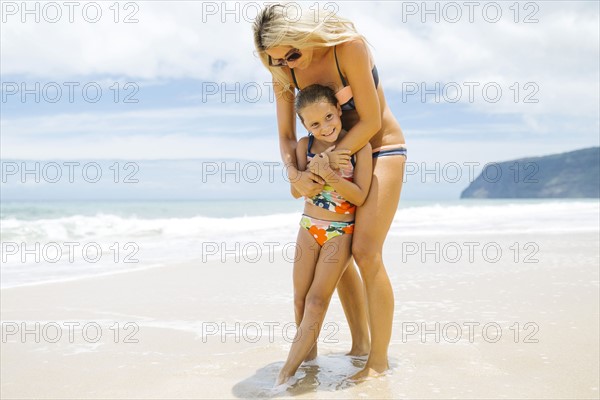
(47, 241)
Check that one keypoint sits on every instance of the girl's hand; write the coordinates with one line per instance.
(319, 165)
(338, 158)
(308, 184)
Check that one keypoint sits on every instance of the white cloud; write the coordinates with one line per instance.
(251, 133)
(142, 147)
(171, 41)
(169, 133)
(200, 119)
(560, 52)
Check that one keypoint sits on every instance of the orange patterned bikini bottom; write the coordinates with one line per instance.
(323, 230)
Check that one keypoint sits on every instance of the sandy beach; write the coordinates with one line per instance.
(506, 328)
(148, 226)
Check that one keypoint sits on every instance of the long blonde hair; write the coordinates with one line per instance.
(277, 25)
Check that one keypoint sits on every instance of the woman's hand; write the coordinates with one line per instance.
(338, 158)
(308, 183)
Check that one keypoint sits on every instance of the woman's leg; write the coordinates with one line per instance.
(333, 259)
(373, 220)
(305, 261)
(351, 292)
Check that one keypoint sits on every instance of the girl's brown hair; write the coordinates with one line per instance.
(314, 94)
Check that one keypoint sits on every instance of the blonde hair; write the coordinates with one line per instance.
(278, 25)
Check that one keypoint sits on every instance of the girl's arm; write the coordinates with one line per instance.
(355, 192)
(354, 57)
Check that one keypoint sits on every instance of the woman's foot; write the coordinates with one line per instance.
(360, 350)
(312, 354)
(368, 372)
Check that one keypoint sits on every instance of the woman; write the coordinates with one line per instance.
(316, 47)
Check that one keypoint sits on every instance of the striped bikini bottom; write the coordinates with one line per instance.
(391, 150)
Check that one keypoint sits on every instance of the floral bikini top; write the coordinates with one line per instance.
(329, 199)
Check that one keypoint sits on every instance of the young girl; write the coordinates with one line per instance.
(325, 235)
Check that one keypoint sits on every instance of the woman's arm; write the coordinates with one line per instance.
(301, 149)
(354, 57)
(305, 183)
(363, 172)
(286, 125)
(355, 192)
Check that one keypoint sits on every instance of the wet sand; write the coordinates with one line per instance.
(222, 329)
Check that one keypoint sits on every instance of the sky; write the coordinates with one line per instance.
(156, 80)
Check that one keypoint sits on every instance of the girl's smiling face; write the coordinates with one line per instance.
(323, 120)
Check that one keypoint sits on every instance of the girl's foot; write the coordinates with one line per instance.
(282, 378)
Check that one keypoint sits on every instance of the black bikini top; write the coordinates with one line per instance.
(344, 95)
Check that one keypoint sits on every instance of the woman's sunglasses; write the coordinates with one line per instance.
(291, 56)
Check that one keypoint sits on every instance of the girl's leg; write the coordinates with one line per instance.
(373, 220)
(305, 261)
(333, 259)
(354, 302)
